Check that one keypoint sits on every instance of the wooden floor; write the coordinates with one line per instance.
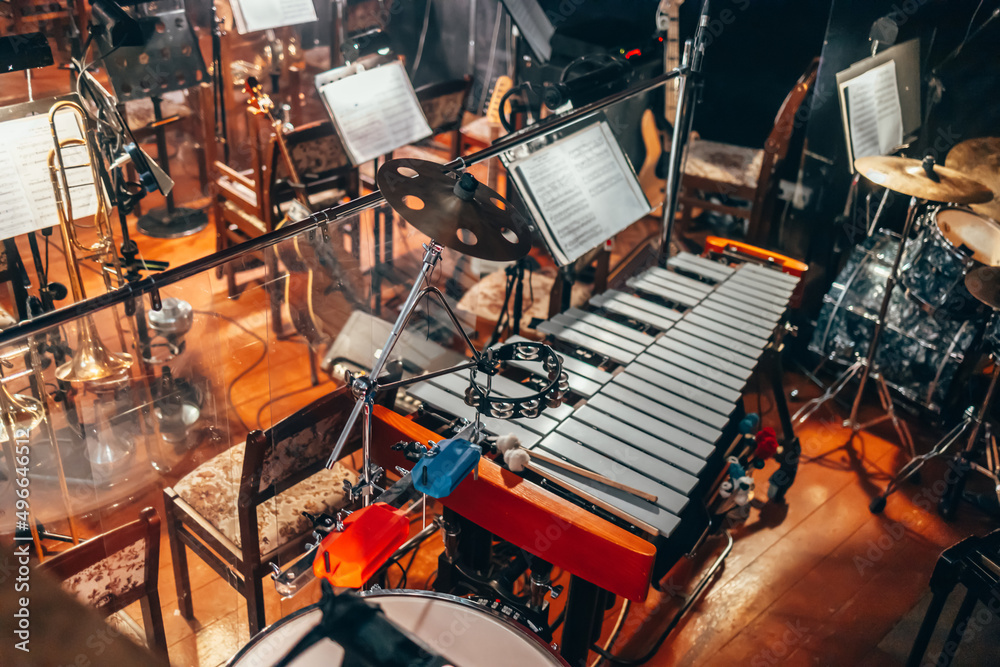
(820, 581)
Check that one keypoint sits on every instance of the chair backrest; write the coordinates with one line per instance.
(787, 119)
(113, 570)
(443, 103)
(316, 149)
(294, 448)
(775, 150)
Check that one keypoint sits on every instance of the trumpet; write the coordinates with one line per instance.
(92, 363)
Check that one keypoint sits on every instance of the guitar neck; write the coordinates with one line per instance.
(672, 61)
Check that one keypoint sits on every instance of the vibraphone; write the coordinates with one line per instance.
(659, 408)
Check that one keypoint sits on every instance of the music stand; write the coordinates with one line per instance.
(579, 187)
(534, 26)
(168, 61)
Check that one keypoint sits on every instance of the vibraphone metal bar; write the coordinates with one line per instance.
(656, 421)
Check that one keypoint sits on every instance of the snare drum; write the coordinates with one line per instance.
(951, 242)
(462, 631)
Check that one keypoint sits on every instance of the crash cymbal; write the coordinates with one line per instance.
(910, 177)
(455, 209)
(980, 159)
(984, 284)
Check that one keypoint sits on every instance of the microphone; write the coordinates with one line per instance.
(586, 88)
(883, 31)
(699, 39)
(151, 175)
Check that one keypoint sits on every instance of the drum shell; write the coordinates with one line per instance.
(933, 269)
(463, 631)
(920, 355)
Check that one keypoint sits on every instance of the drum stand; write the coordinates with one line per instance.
(365, 387)
(865, 366)
(975, 423)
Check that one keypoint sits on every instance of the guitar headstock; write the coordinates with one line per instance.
(258, 101)
(667, 13)
(500, 89)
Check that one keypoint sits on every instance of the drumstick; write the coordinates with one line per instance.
(593, 500)
(507, 442)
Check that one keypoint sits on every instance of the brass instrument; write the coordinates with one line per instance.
(23, 412)
(92, 364)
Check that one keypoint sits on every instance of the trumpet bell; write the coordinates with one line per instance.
(25, 412)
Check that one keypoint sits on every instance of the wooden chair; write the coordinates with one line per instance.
(443, 104)
(49, 16)
(247, 204)
(743, 173)
(111, 571)
(241, 511)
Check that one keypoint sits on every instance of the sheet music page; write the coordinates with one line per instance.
(375, 111)
(254, 15)
(874, 112)
(584, 189)
(27, 202)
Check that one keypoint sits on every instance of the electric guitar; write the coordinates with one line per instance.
(493, 112)
(500, 88)
(653, 183)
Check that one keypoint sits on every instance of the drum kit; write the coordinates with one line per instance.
(928, 324)
(948, 278)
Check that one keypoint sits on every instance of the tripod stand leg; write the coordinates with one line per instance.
(902, 430)
(807, 410)
(916, 463)
(964, 461)
(959, 473)
(992, 461)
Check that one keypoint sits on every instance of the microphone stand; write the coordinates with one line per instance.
(218, 89)
(689, 88)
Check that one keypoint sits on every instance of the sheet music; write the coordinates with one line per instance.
(254, 15)
(584, 189)
(875, 117)
(375, 111)
(27, 202)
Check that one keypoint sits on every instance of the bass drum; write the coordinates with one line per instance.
(920, 355)
(460, 630)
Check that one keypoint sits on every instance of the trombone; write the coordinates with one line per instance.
(91, 364)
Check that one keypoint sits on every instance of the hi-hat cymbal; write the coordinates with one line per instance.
(455, 209)
(984, 284)
(980, 159)
(909, 177)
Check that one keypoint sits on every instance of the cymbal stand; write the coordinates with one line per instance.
(365, 387)
(974, 424)
(865, 366)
